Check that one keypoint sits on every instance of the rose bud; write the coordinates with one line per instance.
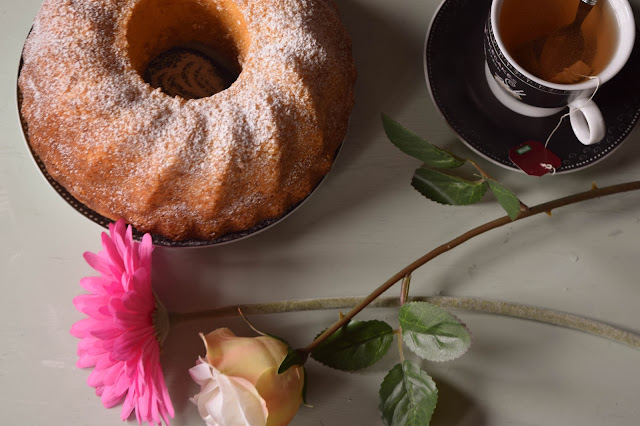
(240, 384)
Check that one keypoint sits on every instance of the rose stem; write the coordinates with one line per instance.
(594, 192)
(471, 304)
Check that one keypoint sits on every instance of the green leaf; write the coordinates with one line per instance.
(412, 144)
(433, 333)
(408, 396)
(507, 199)
(304, 386)
(446, 189)
(292, 359)
(359, 344)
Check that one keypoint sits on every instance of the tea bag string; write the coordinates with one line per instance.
(590, 77)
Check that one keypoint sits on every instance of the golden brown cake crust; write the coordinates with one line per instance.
(197, 168)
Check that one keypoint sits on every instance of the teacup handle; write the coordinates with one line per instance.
(586, 121)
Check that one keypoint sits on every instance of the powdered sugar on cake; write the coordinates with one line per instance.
(196, 168)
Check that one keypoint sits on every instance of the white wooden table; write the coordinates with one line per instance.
(360, 227)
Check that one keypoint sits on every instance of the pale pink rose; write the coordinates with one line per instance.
(240, 384)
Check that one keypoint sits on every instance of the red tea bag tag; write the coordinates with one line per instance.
(534, 159)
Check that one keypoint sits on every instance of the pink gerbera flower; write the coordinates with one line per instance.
(119, 338)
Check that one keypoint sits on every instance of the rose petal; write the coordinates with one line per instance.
(282, 393)
(246, 357)
(201, 373)
(228, 400)
(242, 403)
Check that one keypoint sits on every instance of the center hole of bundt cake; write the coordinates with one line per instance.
(188, 72)
(187, 48)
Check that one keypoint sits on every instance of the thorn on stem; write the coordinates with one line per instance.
(404, 292)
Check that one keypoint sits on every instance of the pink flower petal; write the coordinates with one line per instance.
(132, 260)
(155, 413)
(112, 375)
(91, 346)
(129, 253)
(96, 378)
(99, 263)
(138, 313)
(133, 301)
(128, 406)
(118, 338)
(117, 264)
(104, 310)
(161, 388)
(114, 305)
(118, 240)
(105, 362)
(110, 398)
(128, 344)
(95, 285)
(144, 252)
(84, 327)
(143, 403)
(128, 320)
(88, 360)
(90, 305)
(115, 287)
(128, 236)
(123, 383)
(106, 331)
(141, 284)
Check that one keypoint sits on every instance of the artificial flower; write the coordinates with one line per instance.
(240, 384)
(119, 338)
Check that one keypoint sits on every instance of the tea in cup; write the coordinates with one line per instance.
(539, 62)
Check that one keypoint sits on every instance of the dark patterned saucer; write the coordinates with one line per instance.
(454, 69)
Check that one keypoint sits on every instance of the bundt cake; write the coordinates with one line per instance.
(201, 165)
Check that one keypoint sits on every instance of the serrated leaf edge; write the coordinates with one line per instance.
(456, 161)
(401, 366)
(481, 183)
(462, 323)
(363, 367)
(517, 212)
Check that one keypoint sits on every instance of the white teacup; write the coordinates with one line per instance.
(526, 94)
